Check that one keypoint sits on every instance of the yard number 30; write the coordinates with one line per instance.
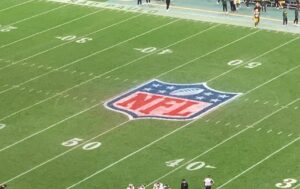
(287, 183)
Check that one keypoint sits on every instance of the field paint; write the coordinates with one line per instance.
(71, 149)
(80, 59)
(211, 52)
(224, 141)
(37, 15)
(51, 126)
(260, 162)
(99, 76)
(17, 5)
(49, 29)
(267, 52)
(169, 133)
(88, 56)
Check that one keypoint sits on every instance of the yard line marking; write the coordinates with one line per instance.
(49, 29)
(83, 58)
(37, 15)
(51, 126)
(17, 5)
(211, 52)
(260, 162)
(261, 55)
(269, 131)
(62, 154)
(194, 121)
(170, 133)
(100, 75)
(224, 141)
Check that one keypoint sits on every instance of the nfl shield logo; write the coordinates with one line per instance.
(160, 100)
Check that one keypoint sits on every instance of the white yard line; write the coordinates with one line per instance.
(157, 140)
(37, 15)
(49, 29)
(17, 5)
(224, 141)
(170, 133)
(259, 162)
(34, 134)
(267, 52)
(62, 154)
(88, 56)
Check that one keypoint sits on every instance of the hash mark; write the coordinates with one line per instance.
(256, 101)
(276, 104)
(125, 80)
(218, 122)
(227, 124)
(279, 133)
(269, 131)
(258, 129)
(290, 134)
(107, 77)
(266, 102)
(296, 108)
(238, 125)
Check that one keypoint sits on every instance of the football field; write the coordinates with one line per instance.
(62, 64)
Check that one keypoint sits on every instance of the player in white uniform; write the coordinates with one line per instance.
(158, 185)
(208, 182)
(130, 186)
(142, 187)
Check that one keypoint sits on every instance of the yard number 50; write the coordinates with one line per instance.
(75, 141)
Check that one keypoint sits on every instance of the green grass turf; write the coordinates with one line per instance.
(45, 100)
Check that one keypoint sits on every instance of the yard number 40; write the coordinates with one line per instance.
(286, 183)
(75, 141)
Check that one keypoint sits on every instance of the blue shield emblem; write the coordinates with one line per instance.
(160, 100)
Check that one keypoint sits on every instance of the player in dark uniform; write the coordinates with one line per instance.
(147, 1)
(296, 16)
(168, 4)
(285, 17)
(184, 184)
(224, 3)
(139, 2)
